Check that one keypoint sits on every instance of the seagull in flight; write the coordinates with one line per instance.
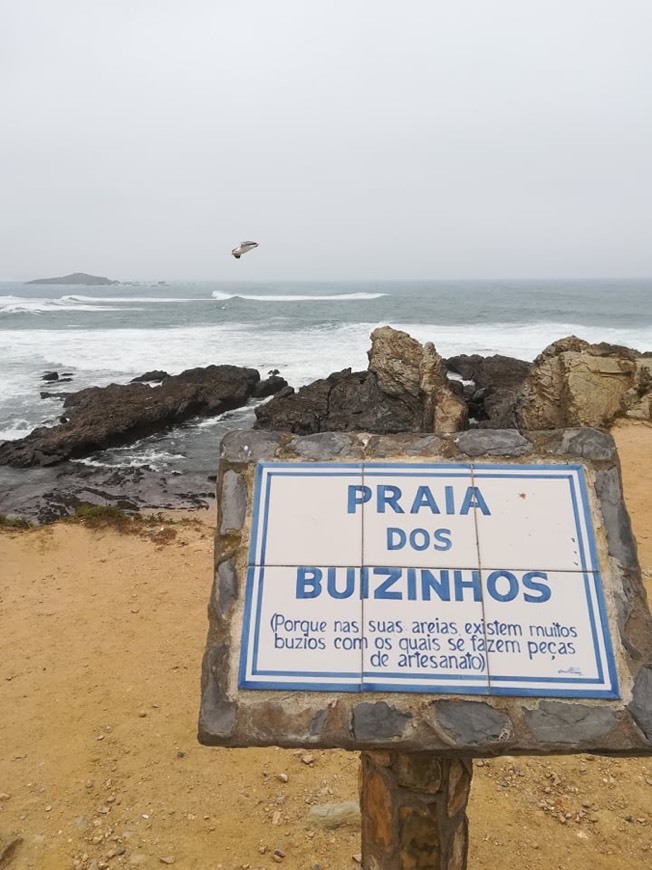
(242, 248)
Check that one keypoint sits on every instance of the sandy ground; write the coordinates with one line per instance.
(101, 636)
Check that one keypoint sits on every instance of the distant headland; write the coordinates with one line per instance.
(75, 278)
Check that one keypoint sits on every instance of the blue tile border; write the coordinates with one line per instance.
(251, 677)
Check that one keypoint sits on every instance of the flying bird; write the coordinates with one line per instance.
(242, 248)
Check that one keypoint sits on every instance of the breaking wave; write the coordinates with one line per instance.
(297, 297)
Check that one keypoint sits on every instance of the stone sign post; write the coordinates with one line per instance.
(425, 600)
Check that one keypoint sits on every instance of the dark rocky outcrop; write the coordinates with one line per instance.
(404, 390)
(76, 278)
(497, 380)
(46, 394)
(43, 495)
(571, 383)
(155, 375)
(273, 384)
(101, 417)
(345, 401)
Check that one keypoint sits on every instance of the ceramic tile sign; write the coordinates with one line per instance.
(439, 578)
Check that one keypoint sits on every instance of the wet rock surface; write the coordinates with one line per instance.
(496, 383)
(43, 495)
(101, 417)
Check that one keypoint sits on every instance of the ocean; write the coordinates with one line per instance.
(306, 330)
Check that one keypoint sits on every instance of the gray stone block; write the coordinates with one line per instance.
(250, 445)
(327, 445)
(381, 446)
(499, 442)
(317, 723)
(216, 720)
(587, 443)
(233, 506)
(377, 721)
(472, 722)
(620, 539)
(641, 705)
(555, 722)
(217, 715)
(227, 587)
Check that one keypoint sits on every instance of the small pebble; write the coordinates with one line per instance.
(168, 859)
(283, 777)
(308, 759)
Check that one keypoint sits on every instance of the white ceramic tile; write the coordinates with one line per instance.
(302, 515)
(547, 636)
(532, 521)
(289, 640)
(425, 646)
(419, 516)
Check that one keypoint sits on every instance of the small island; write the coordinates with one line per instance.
(75, 278)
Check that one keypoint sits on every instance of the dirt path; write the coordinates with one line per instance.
(101, 636)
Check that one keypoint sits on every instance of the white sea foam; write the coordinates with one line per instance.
(22, 305)
(18, 429)
(129, 299)
(296, 297)
(120, 354)
(301, 356)
(134, 456)
(520, 340)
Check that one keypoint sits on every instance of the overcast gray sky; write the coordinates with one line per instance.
(351, 138)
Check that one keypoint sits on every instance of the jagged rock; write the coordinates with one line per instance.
(269, 387)
(447, 411)
(50, 376)
(574, 383)
(345, 401)
(496, 383)
(101, 417)
(404, 390)
(395, 358)
(155, 375)
(417, 375)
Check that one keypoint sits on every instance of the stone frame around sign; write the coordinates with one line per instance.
(426, 722)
